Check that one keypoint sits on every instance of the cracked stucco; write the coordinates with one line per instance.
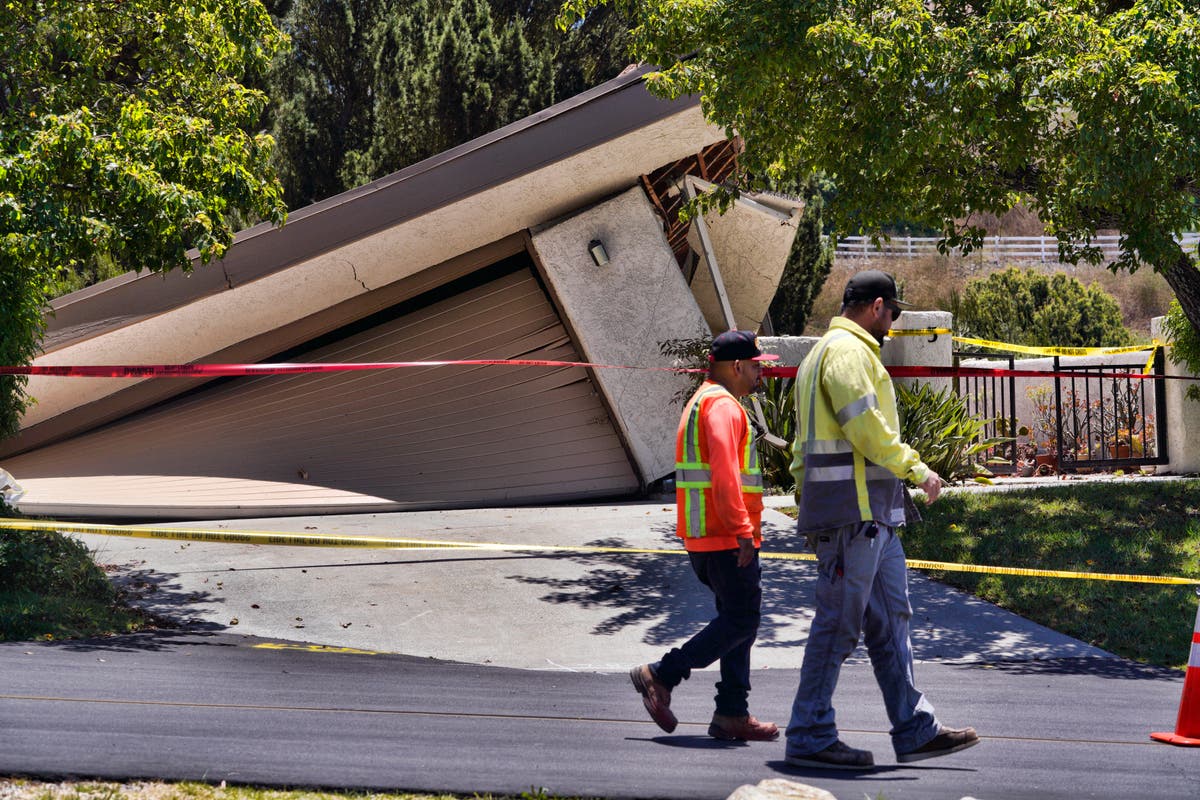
(621, 311)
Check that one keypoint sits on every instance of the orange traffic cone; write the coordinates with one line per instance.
(1187, 728)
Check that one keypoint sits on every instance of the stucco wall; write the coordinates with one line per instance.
(1183, 418)
(751, 242)
(790, 349)
(621, 311)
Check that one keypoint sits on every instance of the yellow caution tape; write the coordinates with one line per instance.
(1056, 351)
(322, 540)
(220, 536)
(918, 563)
(1149, 368)
(949, 566)
(919, 332)
(295, 539)
(314, 648)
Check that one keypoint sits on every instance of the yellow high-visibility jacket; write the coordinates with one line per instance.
(848, 460)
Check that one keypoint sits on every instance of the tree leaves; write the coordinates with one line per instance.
(127, 140)
(1088, 113)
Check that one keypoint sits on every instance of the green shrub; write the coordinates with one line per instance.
(938, 425)
(50, 563)
(688, 353)
(1185, 344)
(1029, 307)
(51, 588)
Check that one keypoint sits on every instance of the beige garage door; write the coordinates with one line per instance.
(404, 438)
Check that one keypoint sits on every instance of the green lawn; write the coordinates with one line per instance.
(1129, 527)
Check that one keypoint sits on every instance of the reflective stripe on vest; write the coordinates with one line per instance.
(694, 476)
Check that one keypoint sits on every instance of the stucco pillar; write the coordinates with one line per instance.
(932, 350)
(917, 351)
(1183, 419)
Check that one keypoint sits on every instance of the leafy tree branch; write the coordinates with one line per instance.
(127, 136)
(1087, 112)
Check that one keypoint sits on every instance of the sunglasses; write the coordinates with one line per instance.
(896, 311)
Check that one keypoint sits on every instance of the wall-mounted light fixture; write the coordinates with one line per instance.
(597, 252)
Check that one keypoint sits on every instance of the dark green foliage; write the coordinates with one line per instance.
(1185, 345)
(322, 91)
(48, 563)
(807, 267)
(373, 86)
(937, 425)
(1029, 307)
(1150, 528)
(590, 52)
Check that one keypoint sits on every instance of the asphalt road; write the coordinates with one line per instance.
(514, 673)
(216, 707)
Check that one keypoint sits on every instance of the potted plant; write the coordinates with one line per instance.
(1127, 444)
(1125, 429)
(1043, 434)
(1046, 459)
(1026, 458)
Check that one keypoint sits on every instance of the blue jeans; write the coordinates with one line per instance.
(862, 588)
(728, 637)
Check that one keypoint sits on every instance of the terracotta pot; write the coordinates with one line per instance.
(1119, 451)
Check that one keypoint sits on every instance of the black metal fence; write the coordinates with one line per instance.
(1088, 416)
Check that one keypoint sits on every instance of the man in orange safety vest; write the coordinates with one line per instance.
(718, 491)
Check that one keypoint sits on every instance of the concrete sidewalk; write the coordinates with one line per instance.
(575, 611)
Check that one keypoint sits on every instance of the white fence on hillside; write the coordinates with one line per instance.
(995, 248)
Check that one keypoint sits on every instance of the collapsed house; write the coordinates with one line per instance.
(554, 238)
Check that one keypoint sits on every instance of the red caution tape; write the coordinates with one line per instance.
(227, 370)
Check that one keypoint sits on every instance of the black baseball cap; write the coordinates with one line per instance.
(865, 286)
(738, 346)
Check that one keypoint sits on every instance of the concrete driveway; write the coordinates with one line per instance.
(564, 611)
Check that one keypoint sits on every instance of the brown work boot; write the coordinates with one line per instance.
(838, 755)
(948, 740)
(655, 697)
(747, 729)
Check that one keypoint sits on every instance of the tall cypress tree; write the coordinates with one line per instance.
(807, 267)
(372, 86)
(403, 81)
(323, 90)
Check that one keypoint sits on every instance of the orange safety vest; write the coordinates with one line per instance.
(698, 525)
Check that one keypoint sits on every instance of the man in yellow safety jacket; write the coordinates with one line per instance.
(850, 464)
(718, 491)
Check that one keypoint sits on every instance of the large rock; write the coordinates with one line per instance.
(780, 789)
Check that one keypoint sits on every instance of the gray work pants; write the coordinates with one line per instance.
(862, 588)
